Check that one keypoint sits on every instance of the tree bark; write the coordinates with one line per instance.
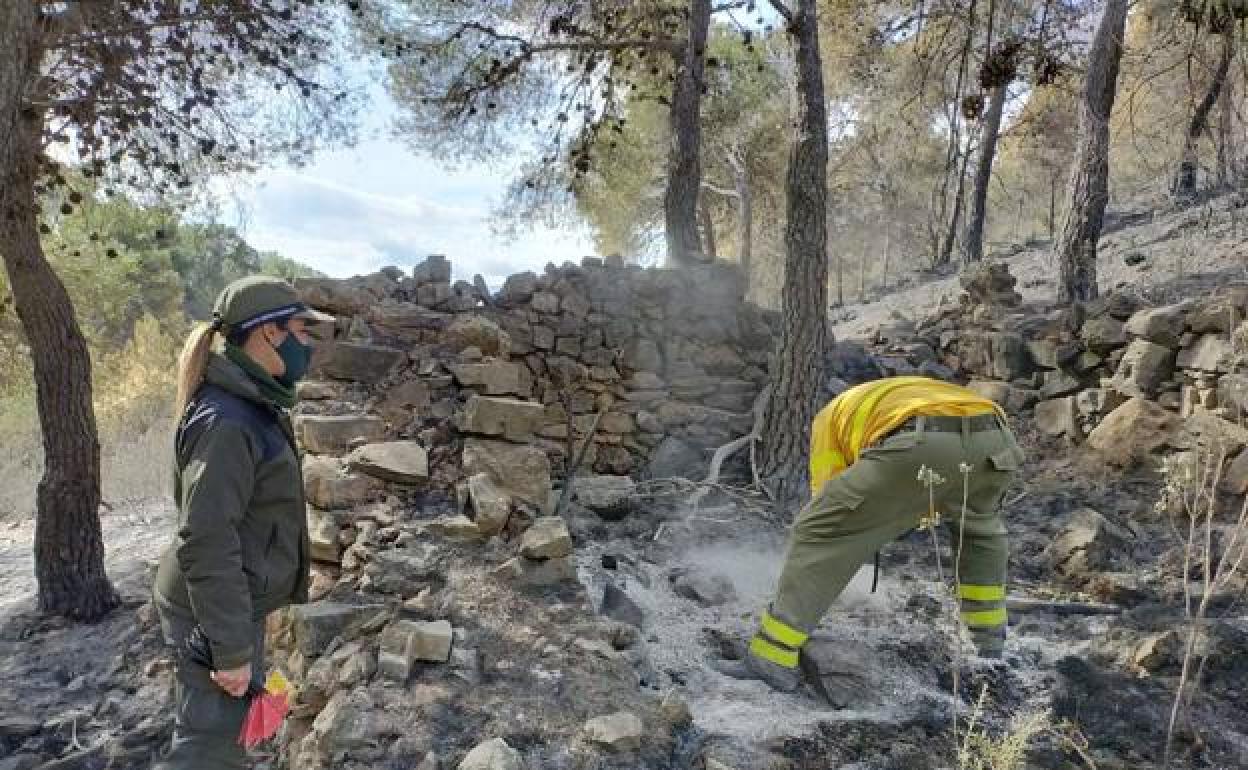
(69, 548)
(1226, 131)
(745, 218)
(1089, 175)
(708, 230)
(973, 243)
(955, 219)
(1185, 178)
(684, 176)
(798, 364)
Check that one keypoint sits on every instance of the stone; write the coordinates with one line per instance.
(403, 462)
(993, 390)
(22, 762)
(1132, 432)
(355, 666)
(429, 642)
(990, 283)
(496, 377)
(477, 332)
(1235, 477)
(1088, 543)
(1233, 392)
(674, 458)
(405, 401)
(608, 496)
(358, 362)
(518, 288)
(394, 660)
(617, 422)
(348, 724)
(643, 355)
(707, 590)
(311, 390)
(522, 471)
(1102, 335)
(19, 726)
(547, 538)
(644, 380)
(1058, 417)
(537, 573)
(543, 338)
(616, 732)
(618, 605)
(545, 302)
(323, 536)
(1143, 368)
(1210, 353)
(675, 710)
(329, 487)
(1158, 651)
(332, 434)
(435, 269)
(1161, 325)
(510, 418)
(405, 571)
(493, 754)
(1059, 383)
(456, 528)
(1098, 401)
(491, 506)
(1218, 314)
(316, 625)
(614, 460)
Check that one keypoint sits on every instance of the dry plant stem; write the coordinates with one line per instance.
(734, 446)
(566, 495)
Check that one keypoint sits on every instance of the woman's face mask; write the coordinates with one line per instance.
(295, 355)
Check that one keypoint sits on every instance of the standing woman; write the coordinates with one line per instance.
(240, 550)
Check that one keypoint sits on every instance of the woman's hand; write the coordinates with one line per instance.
(235, 680)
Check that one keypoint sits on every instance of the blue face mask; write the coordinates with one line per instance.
(296, 356)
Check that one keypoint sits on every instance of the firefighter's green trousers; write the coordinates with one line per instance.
(878, 499)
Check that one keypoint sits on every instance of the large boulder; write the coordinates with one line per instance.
(608, 496)
(435, 269)
(990, 283)
(1088, 543)
(494, 377)
(1059, 417)
(547, 538)
(521, 470)
(404, 462)
(1143, 368)
(477, 332)
(332, 434)
(518, 289)
(510, 418)
(1133, 431)
(491, 506)
(358, 362)
(1217, 314)
(1209, 353)
(1161, 325)
(329, 487)
(1104, 335)
(316, 625)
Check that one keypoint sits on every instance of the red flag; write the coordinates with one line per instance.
(265, 714)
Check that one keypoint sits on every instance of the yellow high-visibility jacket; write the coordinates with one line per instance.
(860, 416)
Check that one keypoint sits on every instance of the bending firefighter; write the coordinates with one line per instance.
(241, 548)
(868, 447)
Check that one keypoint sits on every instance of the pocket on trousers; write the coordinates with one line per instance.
(210, 711)
(1009, 459)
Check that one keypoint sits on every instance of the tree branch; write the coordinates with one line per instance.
(783, 10)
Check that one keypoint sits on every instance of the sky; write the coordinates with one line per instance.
(353, 211)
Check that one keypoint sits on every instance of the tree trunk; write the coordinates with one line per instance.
(862, 274)
(1052, 205)
(1226, 132)
(1185, 178)
(1089, 175)
(888, 253)
(684, 175)
(955, 219)
(745, 221)
(69, 548)
(973, 244)
(708, 229)
(798, 364)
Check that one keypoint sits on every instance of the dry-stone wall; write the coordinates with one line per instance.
(672, 359)
(1130, 379)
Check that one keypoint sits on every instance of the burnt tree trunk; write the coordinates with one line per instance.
(69, 548)
(1226, 132)
(955, 219)
(1185, 178)
(973, 242)
(798, 364)
(1089, 175)
(708, 230)
(684, 171)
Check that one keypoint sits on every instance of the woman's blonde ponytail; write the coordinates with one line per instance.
(191, 364)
